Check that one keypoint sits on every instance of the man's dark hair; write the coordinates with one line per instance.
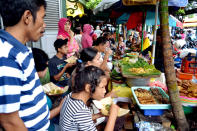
(77, 30)
(40, 58)
(12, 10)
(89, 75)
(106, 34)
(120, 36)
(59, 43)
(101, 41)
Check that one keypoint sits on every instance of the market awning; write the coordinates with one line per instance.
(190, 20)
(115, 14)
(150, 20)
(103, 5)
(106, 4)
(139, 2)
(190, 24)
(178, 3)
(123, 18)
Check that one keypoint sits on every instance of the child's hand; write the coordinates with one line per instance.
(112, 93)
(69, 65)
(108, 51)
(71, 33)
(114, 110)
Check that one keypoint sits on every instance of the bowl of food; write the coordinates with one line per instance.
(105, 104)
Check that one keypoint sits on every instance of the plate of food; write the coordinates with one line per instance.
(133, 54)
(72, 59)
(52, 89)
(105, 104)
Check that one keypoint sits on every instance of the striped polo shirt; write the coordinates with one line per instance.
(75, 116)
(20, 88)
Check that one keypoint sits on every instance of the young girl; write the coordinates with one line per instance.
(90, 57)
(90, 83)
(121, 44)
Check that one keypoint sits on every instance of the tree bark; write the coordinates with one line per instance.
(169, 69)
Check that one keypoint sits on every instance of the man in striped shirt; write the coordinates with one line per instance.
(23, 103)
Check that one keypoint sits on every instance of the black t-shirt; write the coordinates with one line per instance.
(55, 67)
(128, 44)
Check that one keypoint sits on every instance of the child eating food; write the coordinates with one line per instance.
(90, 83)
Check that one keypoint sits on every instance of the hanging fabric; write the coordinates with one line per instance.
(134, 19)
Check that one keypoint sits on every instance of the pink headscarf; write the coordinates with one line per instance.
(61, 30)
(62, 34)
(86, 39)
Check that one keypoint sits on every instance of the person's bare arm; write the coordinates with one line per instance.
(59, 75)
(96, 116)
(12, 121)
(112, 118)
(54, 112)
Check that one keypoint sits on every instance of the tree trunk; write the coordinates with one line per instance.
(169, 69)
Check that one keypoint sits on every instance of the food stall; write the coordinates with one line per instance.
(131, 76)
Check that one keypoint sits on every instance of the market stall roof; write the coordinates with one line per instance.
(123, 18)
(103, 5)
(139, 2)
(119, 5)
(150, 19)
(190, 24)
(178, 3)
(190, 20)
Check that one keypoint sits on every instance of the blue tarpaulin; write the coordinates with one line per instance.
(150, 19)
(178, 3)
(123, 18)
(172, 22)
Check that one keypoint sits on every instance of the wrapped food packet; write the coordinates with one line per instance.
(149, 126)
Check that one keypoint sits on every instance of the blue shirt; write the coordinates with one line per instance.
(20, 88)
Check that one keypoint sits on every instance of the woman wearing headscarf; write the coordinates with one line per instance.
(86, 39)
(65, 32)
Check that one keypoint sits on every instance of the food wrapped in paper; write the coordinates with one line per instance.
(52, 89)
(105, 105)
(71, 59)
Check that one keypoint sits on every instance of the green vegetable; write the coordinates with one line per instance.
(107, 107)
(149, 69)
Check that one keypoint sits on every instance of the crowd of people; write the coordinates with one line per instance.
(24, 105)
